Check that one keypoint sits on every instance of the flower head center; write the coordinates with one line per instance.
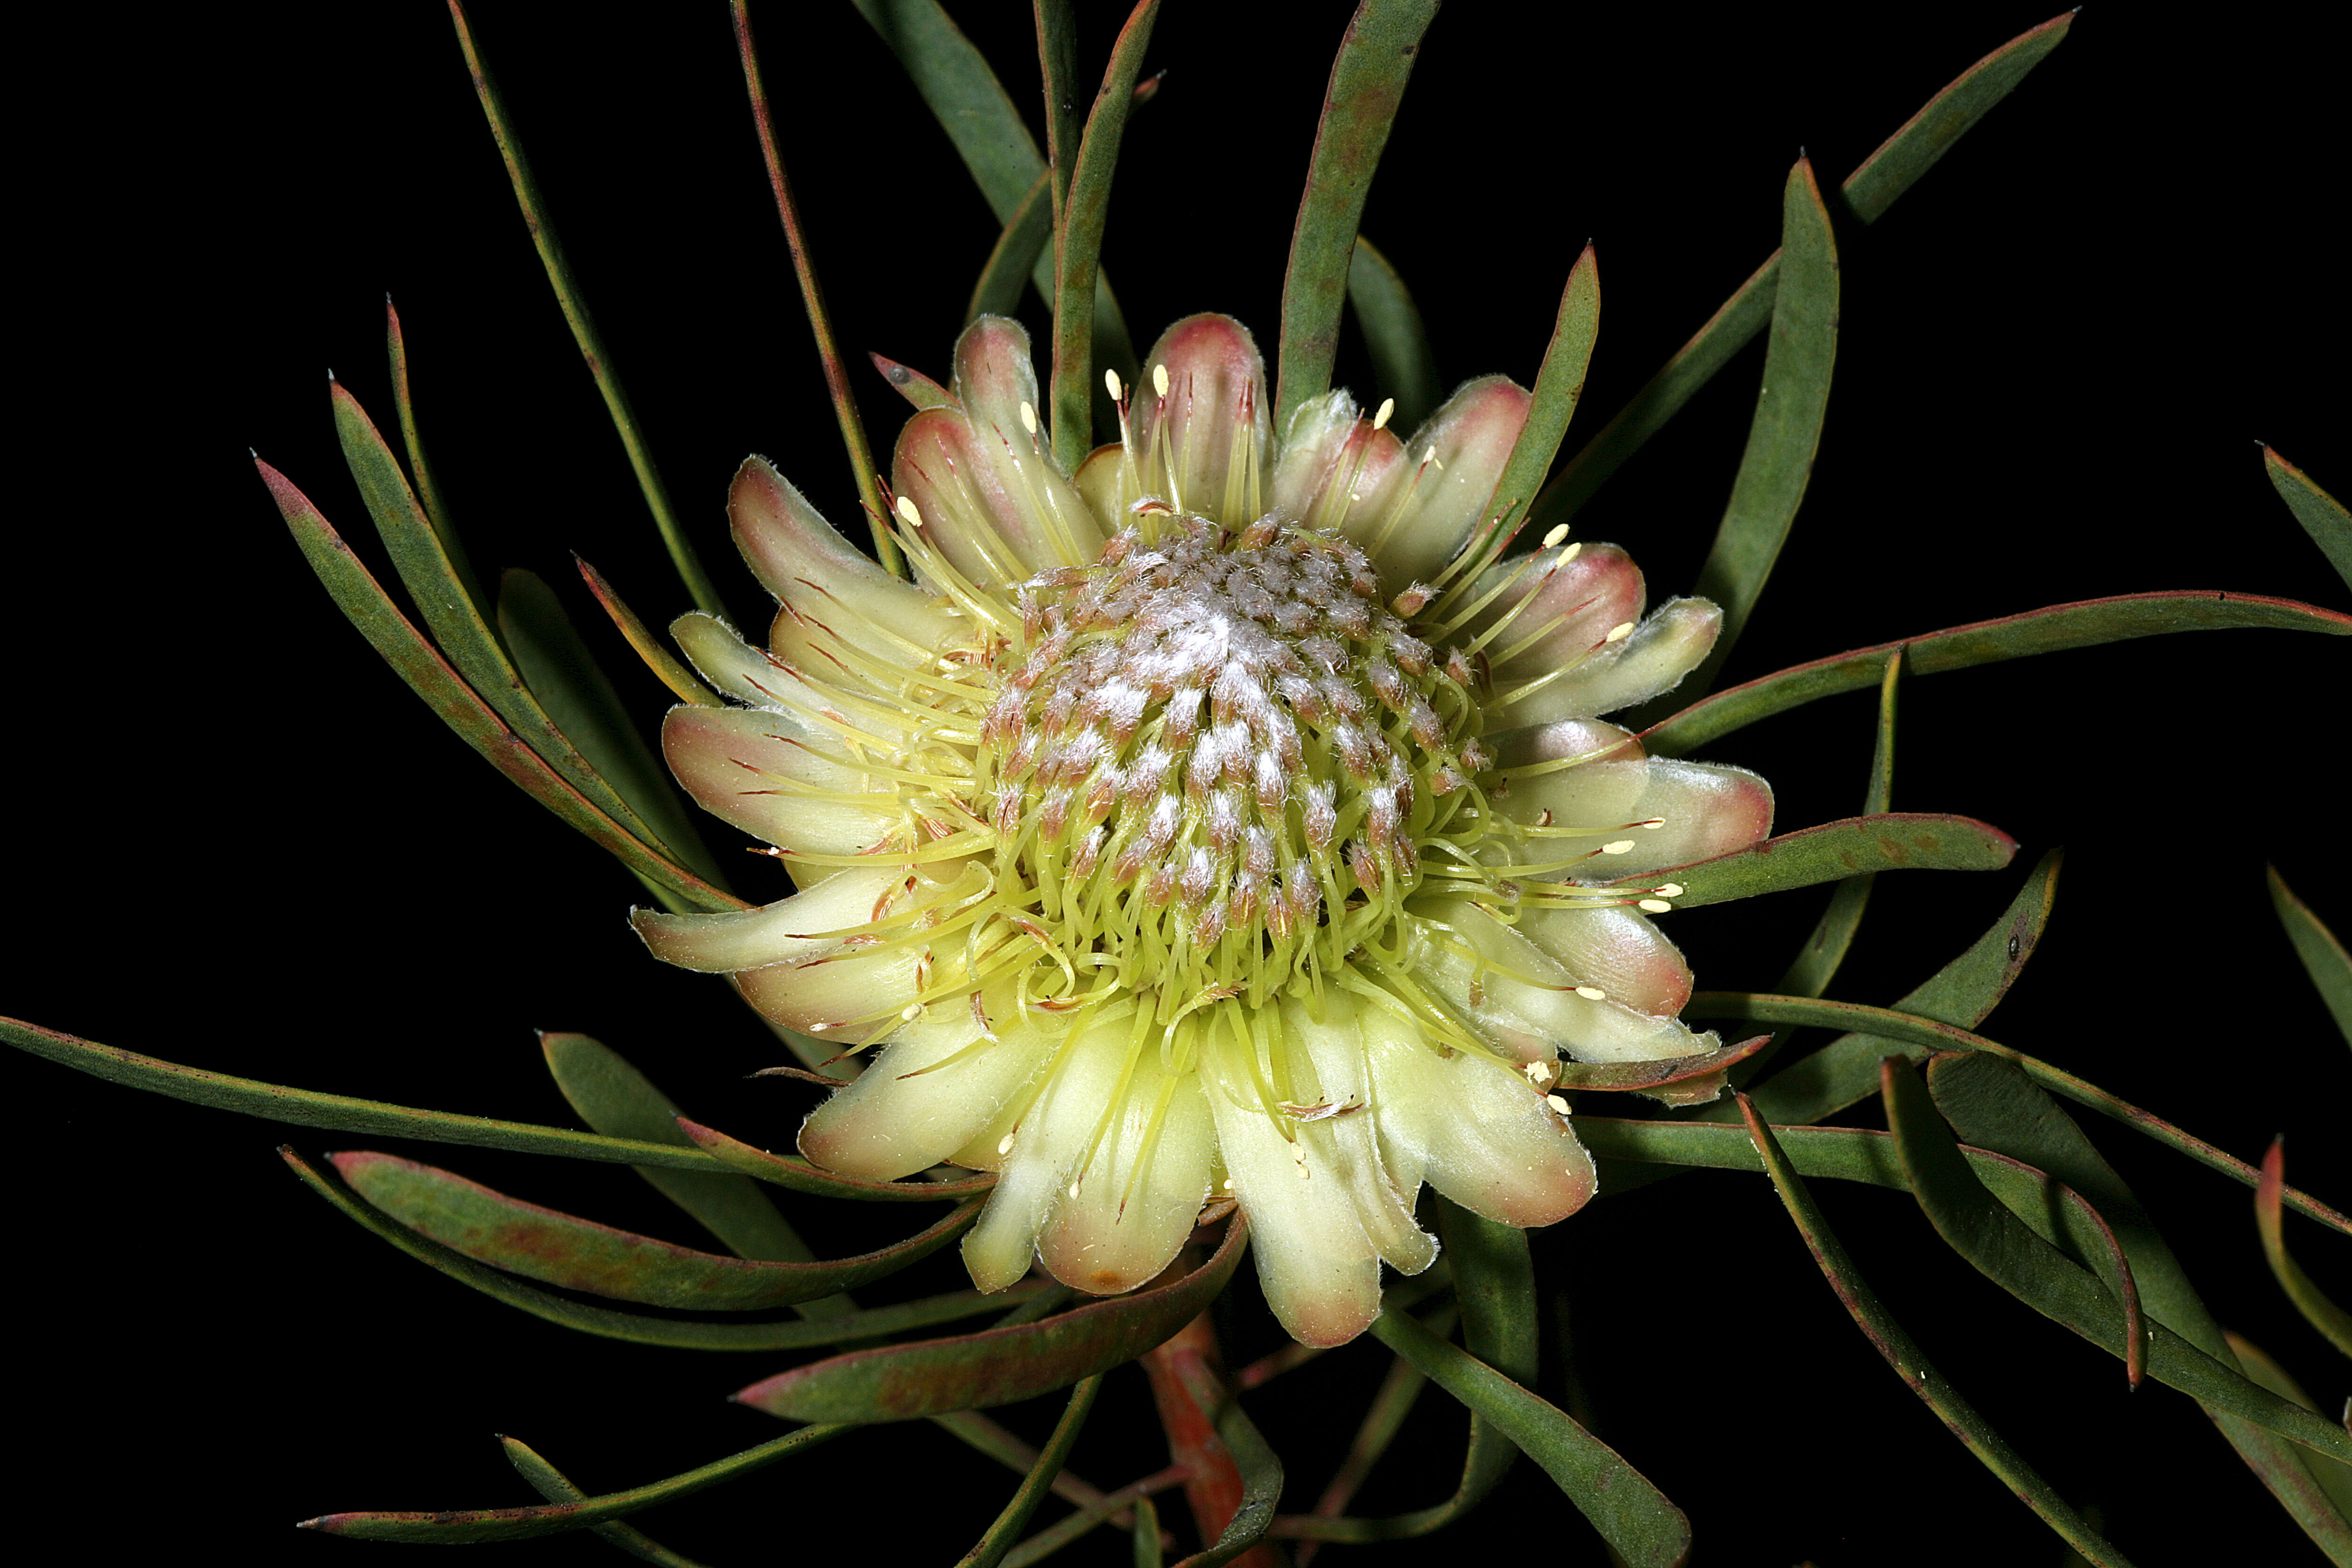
(1214, 754)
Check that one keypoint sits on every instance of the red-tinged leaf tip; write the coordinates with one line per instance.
(2274, 1180)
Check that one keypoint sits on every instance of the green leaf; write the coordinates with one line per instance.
(1642, 1077)
(2321, 1313)
(668, 667)
(1057, 63)
(437, 510)
(971, 106)
(997, 1366)
(2008, 1252)
(2084, 623)
(1018, 250)
(556, 1487)
(1001, 1535)
(1905, 1030)
(1143, 1526)
(836, 372)
(472, 1526)
(1254, 1459)
(802, 1177)
(415, 659)
(617, 1099)
(1963, 991)
(1991, 1103)
(2324, 958)
(579, 697)
(1785, 431)
(1402, 366)
(2054, 1213)
(1384, 1417)
(913, 386)
(1147, 1534)
(1368, 80)
(1868, 192)
(562, 1249)
(344, 1113)
(635, 1327)
(2327, 1483)
(1632, 1516)
(987, 131)
(464, 640)
(2322, 515)
(583, 326)
(1816, 964)
(1495, 1286)
(1902, 1353)
(1895, 840)
(1077, 242)
(1560, 383)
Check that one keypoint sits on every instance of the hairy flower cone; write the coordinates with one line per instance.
(1209, 823)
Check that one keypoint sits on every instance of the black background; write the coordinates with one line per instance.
(237, 842)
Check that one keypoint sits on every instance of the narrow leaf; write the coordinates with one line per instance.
(562, 1249)
(1077, 242)
(617, 1099)
(987, 131)
(802, 1177)
(1640, 1077)
(458, 628)
(2331, 1481)
(556, 1487)
(913, 386)
(468, 1527)
(1260, 1470)
(1993, 1104)
(1057, 68)
(1495, 1286)
(676, 1333)
(998, 1442)
(579, 697)
(1147, 1535)
(364, 604)
(2322, 515)
(1384, 1417)
(836, 372)
(1402, 366)
(1924, 1035)
(1632, 1516)
(1143, 1521)
(1368, 80)
(668, 667)
(2324, 958)
(2317, 1310)
(1868, 192)
(343, 1113)
(437, 510)
(1002, 1534)
(2008, 1252)
(1895, 840)
(1785, 431)
(2084, 623)
(1963, 991)
(1018, 250)
(1560, 383)
(1900, 1353)
(583, 326)
(997, 1366)
(1816, 964)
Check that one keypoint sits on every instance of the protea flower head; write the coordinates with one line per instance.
(1223, 820)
